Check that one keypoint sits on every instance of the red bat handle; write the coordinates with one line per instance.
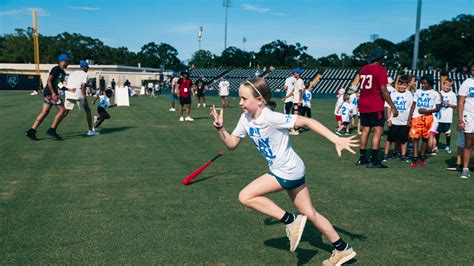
(196, 172)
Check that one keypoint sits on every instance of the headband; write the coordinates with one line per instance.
(255, 88)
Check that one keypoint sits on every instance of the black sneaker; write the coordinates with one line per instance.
(405, 159)
(454, 167)
(52, 133)
(362, 161)
(376, 164)
(385, 157)
(31, 133)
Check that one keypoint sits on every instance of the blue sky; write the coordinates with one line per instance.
(325, 26)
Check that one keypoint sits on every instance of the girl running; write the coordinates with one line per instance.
(269, 131)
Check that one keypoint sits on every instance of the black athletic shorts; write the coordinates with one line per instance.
(398, 133)
(288, 107)
(375, 119)
(103, 113)
(200, 93)
(444, 127)
(185, 100)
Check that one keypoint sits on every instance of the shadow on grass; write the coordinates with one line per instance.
(207, 177)
(313, 237)
(202, 117)
(108, 130)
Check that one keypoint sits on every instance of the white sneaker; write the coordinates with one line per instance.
(34, 93)
(172, 109)
(294, 231)
(92, 133)
(204, 105)
(188, 118)
(199, 105)
(181, 119)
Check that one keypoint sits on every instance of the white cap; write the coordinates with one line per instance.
(390, 80)
(341, 91)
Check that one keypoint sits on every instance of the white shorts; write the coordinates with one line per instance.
(468, 122)
(460, 141)
(69, 103)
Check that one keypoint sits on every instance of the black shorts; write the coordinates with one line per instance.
(444, 128)
(103, 113)
(375, 119)
(306, 111)
(184, 100)
(200, 93)
(398, 133)
(288, 107)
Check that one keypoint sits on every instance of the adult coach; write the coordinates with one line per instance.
(373, 92)
(288, 99)
(184, 85)
(224, 90)
(466, 120)
(78, 80)
(56, 77)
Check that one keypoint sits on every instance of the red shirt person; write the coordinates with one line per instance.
(185, 88)
(373, 93)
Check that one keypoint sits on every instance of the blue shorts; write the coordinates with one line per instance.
(289, 184)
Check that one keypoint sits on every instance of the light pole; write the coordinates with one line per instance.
(212, 57)
(417, 36)
(200, 37)
(244, 40)
(226, 4)
(253, 59)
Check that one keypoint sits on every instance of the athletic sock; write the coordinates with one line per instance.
(374, 154)
(448, 140)
(340, 245)
(288, 218)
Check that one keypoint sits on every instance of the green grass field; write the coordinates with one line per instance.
(118, 199)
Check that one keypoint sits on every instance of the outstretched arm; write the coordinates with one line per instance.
(341, 143)
(230, 141)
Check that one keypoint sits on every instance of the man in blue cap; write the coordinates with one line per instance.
(373, 93)
(56, 78)
(78, 80)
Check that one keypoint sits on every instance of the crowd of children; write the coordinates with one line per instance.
(423, 114)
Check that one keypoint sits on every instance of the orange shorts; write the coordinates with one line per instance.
(420, 126)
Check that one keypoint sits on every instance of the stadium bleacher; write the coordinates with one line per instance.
(207, 73)
(458, 79)
(276, 78)
(334, 79)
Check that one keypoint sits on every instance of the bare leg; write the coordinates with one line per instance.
(44, 113)
(469, 141)
(59, 116)
(253, 196)
(302, 201)
(378, 131)
(188, 109)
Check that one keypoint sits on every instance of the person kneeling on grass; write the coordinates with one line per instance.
(270, 132)
(104, 103)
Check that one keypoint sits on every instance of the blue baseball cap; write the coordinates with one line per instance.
(298, 71)
(376, 54)
(83, 64)
(63, 57)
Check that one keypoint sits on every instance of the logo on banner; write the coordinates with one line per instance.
(12, 80)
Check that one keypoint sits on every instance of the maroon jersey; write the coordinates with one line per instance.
(184, 87)
(371, 78)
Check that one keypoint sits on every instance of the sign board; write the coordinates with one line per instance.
(121, 96)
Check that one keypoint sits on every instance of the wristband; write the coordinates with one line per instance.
(216, 126)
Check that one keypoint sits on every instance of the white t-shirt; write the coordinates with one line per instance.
(269, 132)
(339, 102)
(403, 102)
(104, 101)
(447, 112)
(307, 97)
(467, 89)
(355, 103)
(426, 99)
(75, 81)
(290, 85)
(346, 111)
(299, 87)
(150, 85)
(224, 88)
(390, 90)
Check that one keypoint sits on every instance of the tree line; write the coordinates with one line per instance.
(448, 42)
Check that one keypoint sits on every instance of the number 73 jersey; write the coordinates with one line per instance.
(372, 78)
